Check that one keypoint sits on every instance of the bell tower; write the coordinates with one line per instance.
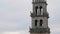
(39, 18)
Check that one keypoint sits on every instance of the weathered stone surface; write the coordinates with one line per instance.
(39, 30)
(39, 18)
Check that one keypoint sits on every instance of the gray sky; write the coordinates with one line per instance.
(15, 16)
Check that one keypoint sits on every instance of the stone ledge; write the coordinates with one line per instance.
(40, 30)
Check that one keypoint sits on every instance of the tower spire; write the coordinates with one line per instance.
(39, 18)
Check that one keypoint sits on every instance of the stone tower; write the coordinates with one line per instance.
(39, 18)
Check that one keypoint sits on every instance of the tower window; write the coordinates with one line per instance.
(41, 22)
(40, 9)
(36, 9)
(35, 22)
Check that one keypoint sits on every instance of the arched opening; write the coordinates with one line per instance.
(40, 9)
(36, 22)
(36, 9)
(41, 22)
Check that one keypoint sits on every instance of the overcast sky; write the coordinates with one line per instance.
(15, 16)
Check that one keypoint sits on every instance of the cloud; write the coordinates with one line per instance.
(15, 32)
(14, 14)
(54, 11)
